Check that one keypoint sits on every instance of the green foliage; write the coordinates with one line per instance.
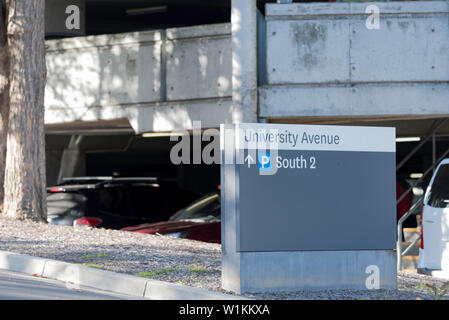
(155, 272)
(90, 265)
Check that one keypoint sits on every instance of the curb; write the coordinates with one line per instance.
(134, 286)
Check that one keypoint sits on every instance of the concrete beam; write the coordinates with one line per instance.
(152, 117)
(365, 99)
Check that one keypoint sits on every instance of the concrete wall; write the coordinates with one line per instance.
(199, 62)
(104, 70)
(159, 80)
(322, 60)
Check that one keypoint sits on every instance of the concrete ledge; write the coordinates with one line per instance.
(350, 9)
(210, 30)
(129, 38)
(74, 274)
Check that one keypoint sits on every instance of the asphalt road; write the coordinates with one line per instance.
(16, 286)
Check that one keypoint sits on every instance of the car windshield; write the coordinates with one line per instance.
(439, 192)
(205, 209)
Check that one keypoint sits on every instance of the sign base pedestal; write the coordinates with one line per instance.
(308, 270)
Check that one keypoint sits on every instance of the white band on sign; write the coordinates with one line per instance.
(315, 137)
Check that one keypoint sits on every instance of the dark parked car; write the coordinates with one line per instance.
(199, 221)
(114, 202)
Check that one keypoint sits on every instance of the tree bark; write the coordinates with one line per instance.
(25, 194)
(4, 100)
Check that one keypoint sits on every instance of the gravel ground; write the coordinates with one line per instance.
(187, 262)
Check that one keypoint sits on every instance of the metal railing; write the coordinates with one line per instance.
(399, 251)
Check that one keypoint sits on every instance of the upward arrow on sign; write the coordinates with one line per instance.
(250, 160)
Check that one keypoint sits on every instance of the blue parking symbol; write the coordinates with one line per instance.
(264, 161)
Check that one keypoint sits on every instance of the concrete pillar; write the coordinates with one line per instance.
(53, 163)
(244, 60)
(73, 161)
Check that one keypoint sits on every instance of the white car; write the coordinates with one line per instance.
(434, 248)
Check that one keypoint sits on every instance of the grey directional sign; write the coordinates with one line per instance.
(315, 188)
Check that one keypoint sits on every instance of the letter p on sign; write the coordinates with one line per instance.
(265, 161)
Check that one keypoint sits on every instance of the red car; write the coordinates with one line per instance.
(199, 221)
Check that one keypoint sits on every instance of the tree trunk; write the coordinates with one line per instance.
(4, 101)
(25, 194)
